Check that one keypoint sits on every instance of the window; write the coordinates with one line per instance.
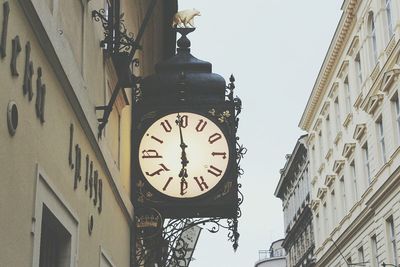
(326, 219)
(55, 239)
(396, 107)
(354, 177)
(381, 139)
(374, 252)
(318, 223)
(337, 113)
(313, 159)
(367, 168)
(389, 17)
(392, 240)
(358, 69)
(321, 147)
(55, 242)
(334, 208)
(361, 258)
(372, 34)
(328, 129)
(343, 192)
(347, 94)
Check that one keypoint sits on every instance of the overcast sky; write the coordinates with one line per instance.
(275, 49)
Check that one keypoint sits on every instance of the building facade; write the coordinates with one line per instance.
(65, 189)
(294, 190)
(274, 257)
(352, 119)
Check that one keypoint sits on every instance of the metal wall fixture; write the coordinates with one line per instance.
(12, 117)
(121, 45)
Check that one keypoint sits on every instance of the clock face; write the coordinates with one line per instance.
(183, 155)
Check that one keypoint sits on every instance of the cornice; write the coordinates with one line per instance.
(335, 49)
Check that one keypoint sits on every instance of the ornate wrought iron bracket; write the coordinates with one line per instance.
(121, 45)
(170, 249)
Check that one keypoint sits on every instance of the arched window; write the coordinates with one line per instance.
(389, 17)
(372, 35)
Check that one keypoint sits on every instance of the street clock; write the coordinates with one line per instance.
(184, 140)
(183, 155)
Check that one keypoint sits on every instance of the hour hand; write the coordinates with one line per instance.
(183, 173)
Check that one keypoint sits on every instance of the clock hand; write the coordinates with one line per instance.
(184, 161)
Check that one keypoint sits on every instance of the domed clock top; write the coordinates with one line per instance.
(183, 155)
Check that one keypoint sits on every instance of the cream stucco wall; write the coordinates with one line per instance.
(75, 73)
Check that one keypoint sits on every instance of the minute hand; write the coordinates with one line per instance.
(184, 160)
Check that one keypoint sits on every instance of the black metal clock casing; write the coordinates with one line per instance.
(184, 140)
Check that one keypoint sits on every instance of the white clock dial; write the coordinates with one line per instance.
(161, 155)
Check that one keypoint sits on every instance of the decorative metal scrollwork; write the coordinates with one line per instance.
(123, 41)
(174, 251)
(122, 46)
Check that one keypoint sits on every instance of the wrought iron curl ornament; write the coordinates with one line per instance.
(101, 15)
(176, 249)
(240, 152)
(123, 41)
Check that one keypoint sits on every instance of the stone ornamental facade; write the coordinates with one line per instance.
(65, 191)
(294, 191)
(353, 123)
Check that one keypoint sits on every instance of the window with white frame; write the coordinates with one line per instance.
(389, 17)
(347, 94)
(55, 242)
(374, 252)
(337, 113)
(357, 61)
(343, 193)
(367, 168)
(396, 111)
(354, 178)
(372, 35)
(392, 240)
(55, 238)
(381, 138)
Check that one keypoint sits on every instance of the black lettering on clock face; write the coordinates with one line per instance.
(160, 153)
(213, 138)
(167, 183)
(184, 187)
(201, 183)
(157, 172)
(221, 154)
(167, 126)
(150, 154)
(184, 121)
(214, 171)
(201, 125)
(157, 139)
